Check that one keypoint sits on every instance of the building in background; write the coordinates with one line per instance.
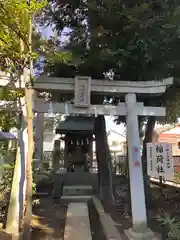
(118, 149)
(169, 134)
(117, 143)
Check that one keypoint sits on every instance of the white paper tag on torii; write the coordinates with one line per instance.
(95, 111)
(66, 109)
(111, 112)
(50, 110)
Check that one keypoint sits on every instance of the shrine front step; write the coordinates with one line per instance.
(73, 179)
(76, 198)
(78, 190)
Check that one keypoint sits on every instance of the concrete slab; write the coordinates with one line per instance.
(78, 198)
(77, 222)
(78, 187)
(77, 190)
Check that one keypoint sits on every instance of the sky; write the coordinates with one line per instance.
(110, 125)
(47, 32)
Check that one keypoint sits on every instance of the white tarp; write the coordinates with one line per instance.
(7, 135)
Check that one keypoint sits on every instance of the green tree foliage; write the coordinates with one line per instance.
(129, 40)
(138, 41)
(5, 188)
(8, 118)
(14, 17)
(6, 173)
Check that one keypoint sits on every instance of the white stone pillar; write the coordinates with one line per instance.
(39, 132)
(139, 217)
(18, 190)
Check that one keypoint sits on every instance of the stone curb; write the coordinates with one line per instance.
(109, 229)
(149, 235)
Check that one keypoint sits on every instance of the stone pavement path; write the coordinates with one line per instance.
(77, 222)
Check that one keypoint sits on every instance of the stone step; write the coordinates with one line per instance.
(77, 190)
(76, 198)
(77, 225)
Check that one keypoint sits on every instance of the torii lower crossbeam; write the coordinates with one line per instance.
(120, 110)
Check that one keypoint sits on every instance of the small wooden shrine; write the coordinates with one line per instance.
(77, 134)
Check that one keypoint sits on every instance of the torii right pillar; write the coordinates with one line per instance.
(139, 218)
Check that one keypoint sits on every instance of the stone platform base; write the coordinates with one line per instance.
(132, 235)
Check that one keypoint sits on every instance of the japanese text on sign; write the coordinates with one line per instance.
(159, 160)
(150, 159)
(82, 91)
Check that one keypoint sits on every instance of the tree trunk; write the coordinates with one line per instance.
(102, 159)
(127, 210)
(30, 117)
(29, 178)
(148, 138)
(112, 175)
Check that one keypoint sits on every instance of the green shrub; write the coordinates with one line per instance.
(171, 227)
(6, 177)
(5, 189)
(177, 174)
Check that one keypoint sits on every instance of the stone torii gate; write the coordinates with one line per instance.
(83, 87)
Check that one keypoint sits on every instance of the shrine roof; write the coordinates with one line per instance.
(168, 129)
(75, 123)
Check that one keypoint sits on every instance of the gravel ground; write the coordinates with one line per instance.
(48, 220)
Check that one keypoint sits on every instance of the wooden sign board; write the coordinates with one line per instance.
(82, 91)
(160, 160)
